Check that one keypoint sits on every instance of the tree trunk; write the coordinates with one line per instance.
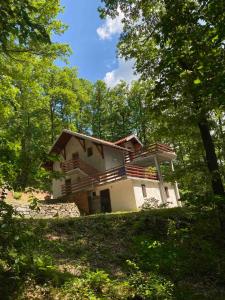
(52, 120)
(211, 158)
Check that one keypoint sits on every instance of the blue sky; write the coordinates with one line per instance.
(93, 42)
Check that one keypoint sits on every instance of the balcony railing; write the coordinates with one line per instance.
(69, 165)
(108, 176)
(72, 164)
(150, 150)
(78, 186)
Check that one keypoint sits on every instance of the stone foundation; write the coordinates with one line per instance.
(61, 210)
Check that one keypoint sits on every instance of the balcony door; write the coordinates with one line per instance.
(68, 186)
(105, 201)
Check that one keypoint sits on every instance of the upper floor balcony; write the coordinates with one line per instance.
(72, 164)
(145, 157)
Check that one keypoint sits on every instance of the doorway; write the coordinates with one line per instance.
(105, 201)
(68, 186)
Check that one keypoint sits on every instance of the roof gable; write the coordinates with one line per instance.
(127, 139)
(65, 136)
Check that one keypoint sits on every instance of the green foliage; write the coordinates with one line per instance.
(27, 58)
(95, 285)
(155, 254)
(17, 195)
(48, 100)
(204, 201)
(150, 285)
(26, 29)
(21, 253)
(174, 254)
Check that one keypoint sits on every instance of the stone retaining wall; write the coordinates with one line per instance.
(61, 210)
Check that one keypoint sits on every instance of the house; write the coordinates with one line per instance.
(102, 176)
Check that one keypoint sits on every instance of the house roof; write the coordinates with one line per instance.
(65, 136)
(127, 139)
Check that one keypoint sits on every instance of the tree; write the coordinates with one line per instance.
(119, 112)
(26, 54)
(27, 26)
(180, 45)
(140, 106)
(46, 100)
(62, 87)
(99, 98)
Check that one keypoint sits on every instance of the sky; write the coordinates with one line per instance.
(93, 42)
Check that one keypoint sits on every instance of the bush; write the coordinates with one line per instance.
(95, 285)
(204, 201)
(149, 285)
(21, 253)
(152, 203)
(17, 195)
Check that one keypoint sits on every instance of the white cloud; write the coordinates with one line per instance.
(111, 26)
(124, 72)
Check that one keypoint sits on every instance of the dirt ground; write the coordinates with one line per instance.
(27, 196)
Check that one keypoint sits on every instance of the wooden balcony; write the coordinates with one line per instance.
(145, 156)
(109, 176)
(70, 165)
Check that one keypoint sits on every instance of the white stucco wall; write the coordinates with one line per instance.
(113, 158)
(153, 191)
(121, 195)
(57, 183)
(172, 201)
(94, 160)
(126, 195)
(76, 175)
(56, 187)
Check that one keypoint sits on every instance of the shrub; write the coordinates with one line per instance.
(95, 285)
(21, 252)
(17, 195)
(150, 203)
(149, 285)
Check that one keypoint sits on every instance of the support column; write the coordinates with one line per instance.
(161, 185)
(175, 186)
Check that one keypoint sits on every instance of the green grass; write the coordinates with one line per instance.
(177, 249)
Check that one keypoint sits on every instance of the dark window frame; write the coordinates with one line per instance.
(167, 191)
(144, 191)
(89, 151)
(75, 155)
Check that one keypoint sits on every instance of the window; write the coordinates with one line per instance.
(89, 151)
(75, 155)
(68, 182)
(144, 192)
(167, 192)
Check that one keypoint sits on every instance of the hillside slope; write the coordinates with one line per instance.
(159, 254)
